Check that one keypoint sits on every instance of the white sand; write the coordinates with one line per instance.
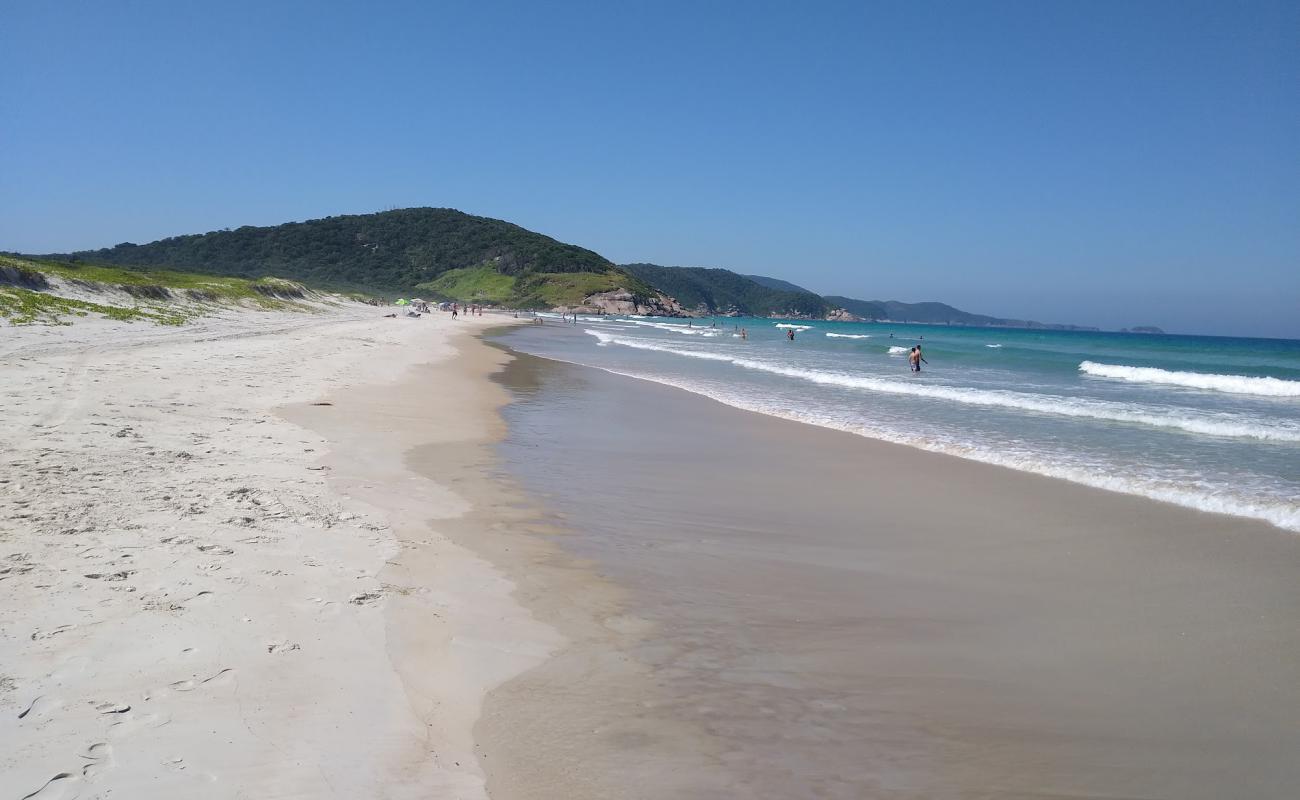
(199, 599)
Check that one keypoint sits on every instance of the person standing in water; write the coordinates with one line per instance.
(789, 334)
(916, 358)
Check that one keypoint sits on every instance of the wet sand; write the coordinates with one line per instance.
(758, 608)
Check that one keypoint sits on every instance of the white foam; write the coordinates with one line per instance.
(849, 335)
(1280, 513)
(796, 327)
(992, 345)
(1221, 424)
(685, 330)
(895, 350)
(1235, 384)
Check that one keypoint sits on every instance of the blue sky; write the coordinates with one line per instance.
(1092, 162)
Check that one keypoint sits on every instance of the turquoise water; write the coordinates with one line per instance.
(1211, 423)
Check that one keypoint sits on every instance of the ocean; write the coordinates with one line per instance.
(1210, 423)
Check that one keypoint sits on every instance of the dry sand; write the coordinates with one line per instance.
(200, 598)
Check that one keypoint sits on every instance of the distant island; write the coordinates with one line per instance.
(1141, 329)
(445, 254)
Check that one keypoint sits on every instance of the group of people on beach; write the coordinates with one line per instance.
(470, 311)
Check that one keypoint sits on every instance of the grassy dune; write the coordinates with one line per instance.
(33, 291)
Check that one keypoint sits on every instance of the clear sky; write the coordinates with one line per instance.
(1108, 163)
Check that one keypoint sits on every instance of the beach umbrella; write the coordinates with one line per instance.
(401, 302)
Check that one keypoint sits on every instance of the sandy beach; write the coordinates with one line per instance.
(201, 595)
(337, 555)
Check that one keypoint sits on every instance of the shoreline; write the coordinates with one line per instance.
(1010, 632)
(353, 556)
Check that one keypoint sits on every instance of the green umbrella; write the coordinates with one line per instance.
(401, 302)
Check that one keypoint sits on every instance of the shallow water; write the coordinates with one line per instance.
(1209, 423)
(826, 616)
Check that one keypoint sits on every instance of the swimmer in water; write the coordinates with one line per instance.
(789, 334)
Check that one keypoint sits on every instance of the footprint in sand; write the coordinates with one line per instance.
(61, 787)
(128, 723)
(120, 575)
(40, 707)
(216, 550)
(39, 634)
(276, 648)
(100, 756)
(109, 707)
(220, 678)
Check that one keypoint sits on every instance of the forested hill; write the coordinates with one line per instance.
(777, 283)
(934, 313)
(398, 251)
(721, 291)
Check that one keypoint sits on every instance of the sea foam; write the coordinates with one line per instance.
(849, 335)
(1282, 514)
(895, 350)
(1235, 384)
(1223, 424)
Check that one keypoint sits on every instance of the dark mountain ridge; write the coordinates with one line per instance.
(448, 254)
(777, 283)
(933, 313)
(721, 291)
(399, 251)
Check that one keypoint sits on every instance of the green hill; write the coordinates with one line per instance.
(431, 250)
(936, 314)
(940, 313)
(721, 291)
(777, 283)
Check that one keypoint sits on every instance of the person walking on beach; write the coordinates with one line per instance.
(454, 311)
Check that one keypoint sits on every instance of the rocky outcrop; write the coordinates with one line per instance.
(843, 315)
(621, 301)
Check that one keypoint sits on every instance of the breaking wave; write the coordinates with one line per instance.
(1204, 498)
(1235, 384)
(1205, 423)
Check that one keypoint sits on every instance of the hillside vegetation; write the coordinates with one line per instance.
(777, 283)
(436, 250)
(41, 291)
(934, 314)
(444, 254)
(721, 291)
